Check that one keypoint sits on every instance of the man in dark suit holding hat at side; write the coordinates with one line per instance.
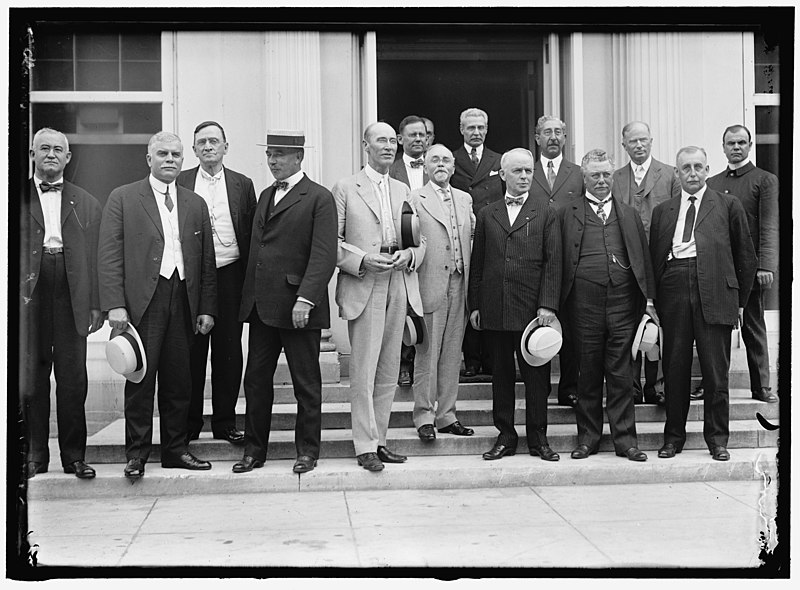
(285, 299)
(607, 284)
(59, 304)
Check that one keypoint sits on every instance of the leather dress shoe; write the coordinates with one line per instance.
(426, 432)
(499, 451)
(668, 451)
(698, 393)
(388, 456)
(35, 467)
(545, 452)
(457, 428)
(248, 463)
(135, 468)
(369, 461)
(404, 380)
(765, 395)
(470, 371)
(80, 469)
(582, 452)
(720, 453)
(656, 398)
(570, 400)
(232, 434)
(304, 464)
(633, 454)
(185, 461)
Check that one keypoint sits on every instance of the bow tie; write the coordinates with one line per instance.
(600, 203)
(280, 184)
(208, 178)
(48, 186)
(515, 200)
(416, 163)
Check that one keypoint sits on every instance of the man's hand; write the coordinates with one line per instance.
(204, 324)
(741, 318)
(651, 311)
(97, 317)
(765, 278)
(475, 319)
(118, 318)
(545, 316)
(377, 263)
(300, 313)
(401, 259)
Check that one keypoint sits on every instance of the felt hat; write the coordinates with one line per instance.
(646, 338)
(285, 138)
(125, 353)
(414, 330)
(539, 344)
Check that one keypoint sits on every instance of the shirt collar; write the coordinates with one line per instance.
(206, 176)
(594, 199)
(699, 194)
(523, 195)
(39, 181)
(556, 161)
(645, 164)
(161, 187)
(738, 165)
(293, 179)
(478, 149)
(408, 159)
(373, 174)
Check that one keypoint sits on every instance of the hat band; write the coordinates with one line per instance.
(136, 351)
(286, 140)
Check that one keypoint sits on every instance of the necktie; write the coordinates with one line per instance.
(48, 186)
(601, 211)
(514, 200)
(168, 200)
(280, 185)
(387, 221)
(688, 225)
(551, 175)
(417, 163)
(638, 174)
(473, 155)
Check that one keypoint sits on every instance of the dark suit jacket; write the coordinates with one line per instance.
(80, 227)
(241, 200)
(398, 171)
(568, 184)
(573, 218)
(515, 270)
(660, 184)
(484, 184)
(132, 244)
(293, 254)
(726, 259)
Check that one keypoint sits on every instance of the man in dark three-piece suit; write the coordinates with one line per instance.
(59, 304)
(557, 181)
(157, 271)
(285, 299)
(607, 284)
(231, 200)
(704, 263)
(515, 276)
(642, 184)
(477, 172)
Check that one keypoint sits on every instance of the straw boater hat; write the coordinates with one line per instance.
(646, 339)
(414, 331)
(287, 138)
(409, 226)
(539, 344)
(125, 353)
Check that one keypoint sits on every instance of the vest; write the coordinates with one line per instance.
(603, 256)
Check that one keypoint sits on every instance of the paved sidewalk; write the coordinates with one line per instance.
(708, 524)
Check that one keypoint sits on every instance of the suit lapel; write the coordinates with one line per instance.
(291, 198)
(67, 203)
(433, 204)
(183, 209)
(36, 205)
(148, 201)
(484, 166)
(706, 205)
(624, 185)
(526, 214)
(367, 193)
(563, 172)
(653, 174)
(539, 176)
(671, 218)
(500, 213)
(234, 190)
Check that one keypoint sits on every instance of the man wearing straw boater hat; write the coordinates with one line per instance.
(607, 285)
(157, 271)
(285, 299)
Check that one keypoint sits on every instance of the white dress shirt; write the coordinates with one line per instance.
(513, 210)
(51, 211)
(738, 165)
(556, 163)
(681, 249)
(173, 254)
(478, 151)
(604, 204)
(645, 166)
(290, 184)
(214, 191)
(415, 175)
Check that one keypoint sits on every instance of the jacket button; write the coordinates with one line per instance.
(155, 259)
(38, 231)
(447, 247)
(446, 267)
(34, 252)
(261, 245)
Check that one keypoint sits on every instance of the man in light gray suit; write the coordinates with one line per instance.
(377, 282)
(447, 222)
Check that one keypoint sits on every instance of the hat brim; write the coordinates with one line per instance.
(637, 338)
(135, 376)
(536, 360)
(414, 331)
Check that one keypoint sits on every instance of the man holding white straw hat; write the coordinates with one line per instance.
(285, 299)
(607, 285)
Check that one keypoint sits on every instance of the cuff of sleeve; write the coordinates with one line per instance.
(304, 300)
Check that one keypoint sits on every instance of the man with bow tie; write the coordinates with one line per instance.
(59, 304)
(157, 271)
(410, 170)
(231, 200)
(285, 299)
(515, 276)
(607, 285)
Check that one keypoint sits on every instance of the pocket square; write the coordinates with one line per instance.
(494, 173)
(197, 233)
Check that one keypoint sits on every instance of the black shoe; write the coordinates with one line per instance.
(499, 451)
(720, 453)
(304, 464)
(633, 454)
(470, 371)
(369, 461)
(35, 467)
(135, 468)
(426, 432)
(80, 469)
(698, 393)
(765, 395)
(545, 452)
(656, 398)
(248, 463)
(582, 452)
(232, 434)
(404, 380)
(570, 400)
(388, 456)
(456, 428)
(185, 461)
(668, 451)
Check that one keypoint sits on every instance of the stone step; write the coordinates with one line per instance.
(432, 472)
(107, 446)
